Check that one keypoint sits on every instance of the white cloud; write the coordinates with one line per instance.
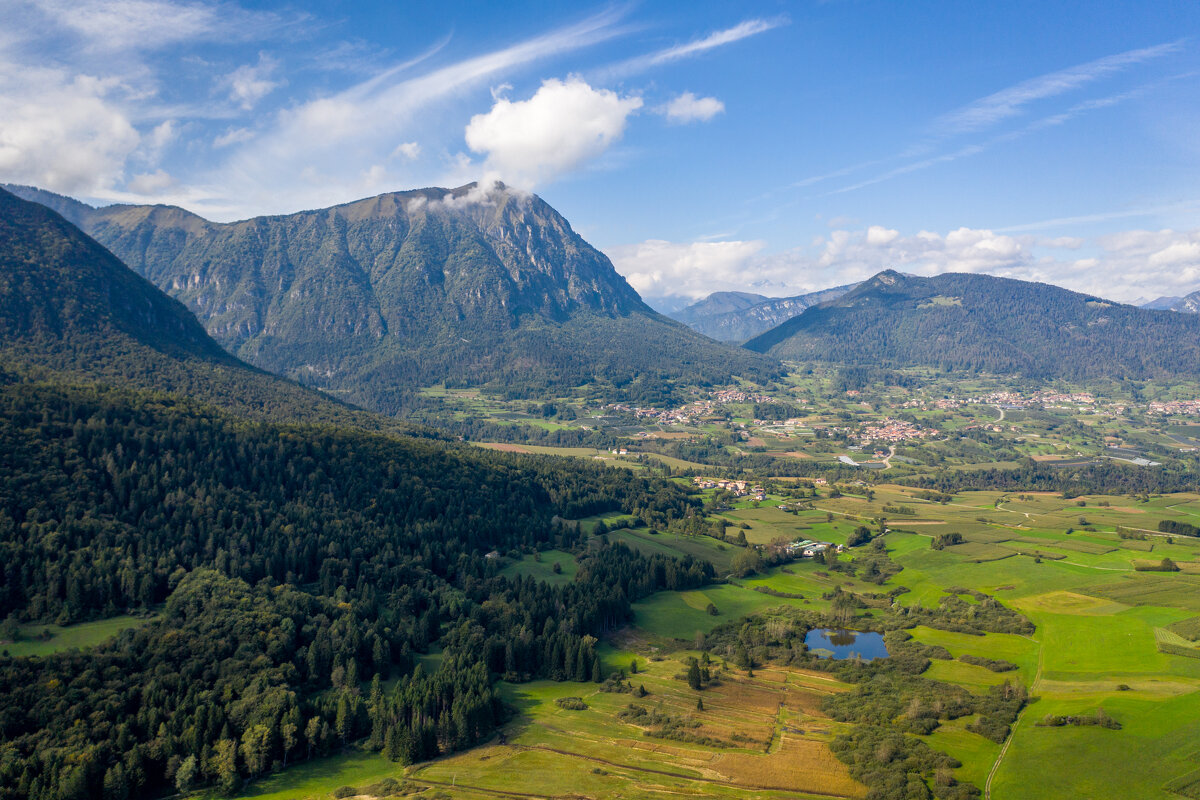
(658, 268)
(129, 25)
(688, 108)
(250, 83)
(62, 132)
(409, 150)
(151, 183)
(1122, 266)
(742, 30)
(322, 141)
(988, 111)
(564, 125)
(233, 136)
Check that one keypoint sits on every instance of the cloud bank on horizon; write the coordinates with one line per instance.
(649, 128)
(673, 274)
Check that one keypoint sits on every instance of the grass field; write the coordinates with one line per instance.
(1099, 625)
(550, 751)
(82, 634)
(541, 567)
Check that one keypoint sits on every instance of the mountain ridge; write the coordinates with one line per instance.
(740, 316)
(71, 312)
(1187, 304)
(373, 298)
(984, 323)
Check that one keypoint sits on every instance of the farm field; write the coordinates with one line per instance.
(772, 740)
(1107, 637)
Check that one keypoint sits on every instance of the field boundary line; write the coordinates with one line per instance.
(1037, 678)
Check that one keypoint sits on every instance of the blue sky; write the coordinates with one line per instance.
(772, 147)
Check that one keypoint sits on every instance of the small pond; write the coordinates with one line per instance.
(841, 644)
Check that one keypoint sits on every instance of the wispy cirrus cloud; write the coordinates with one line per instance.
(364, 124)
(743, 30)
(1044, 123)
(988, 111)
(124, 26)
(992, 111)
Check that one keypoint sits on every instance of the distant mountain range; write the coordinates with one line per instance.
(373, 299)
(979, 322)
(739, 316)
(1188, 304)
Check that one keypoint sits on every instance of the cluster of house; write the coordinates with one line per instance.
(807, 548)
(739, 488)
(688, 414)
(1009, 399)
(1189, 407)
(738, 396)
(620, 451)
(894, 430)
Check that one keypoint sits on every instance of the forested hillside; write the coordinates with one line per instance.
(289, 564)
(373, 299)
(983, 323)
(71, 311)
(295, 563)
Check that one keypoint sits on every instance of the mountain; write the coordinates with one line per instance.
(738, 316)
(1188, 304)
(70, 311)
(373, 299)
(998, 325)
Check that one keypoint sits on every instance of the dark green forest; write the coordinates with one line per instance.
(980, 323)
(295, 563)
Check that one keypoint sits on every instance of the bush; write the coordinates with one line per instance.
(994, 664)
(1098, 718)
(571, 703)
(344, 791)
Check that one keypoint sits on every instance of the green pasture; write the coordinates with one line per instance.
(677, 546)
(79, 635)
(541, 567)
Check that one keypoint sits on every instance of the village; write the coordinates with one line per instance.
(894, 431)
(690, 413)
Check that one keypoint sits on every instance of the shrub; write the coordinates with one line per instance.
(571, 703)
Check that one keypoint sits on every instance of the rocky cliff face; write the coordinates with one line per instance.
(740, 316)
(409, 288)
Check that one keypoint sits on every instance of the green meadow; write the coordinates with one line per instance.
(79, 635)
(1107, 637)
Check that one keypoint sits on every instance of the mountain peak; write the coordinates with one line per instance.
(984, 323)
(374, 298)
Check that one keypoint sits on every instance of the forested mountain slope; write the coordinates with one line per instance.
(288, 563)
(71, 311)
(374, 298)
(999, 325)
(294, 562)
